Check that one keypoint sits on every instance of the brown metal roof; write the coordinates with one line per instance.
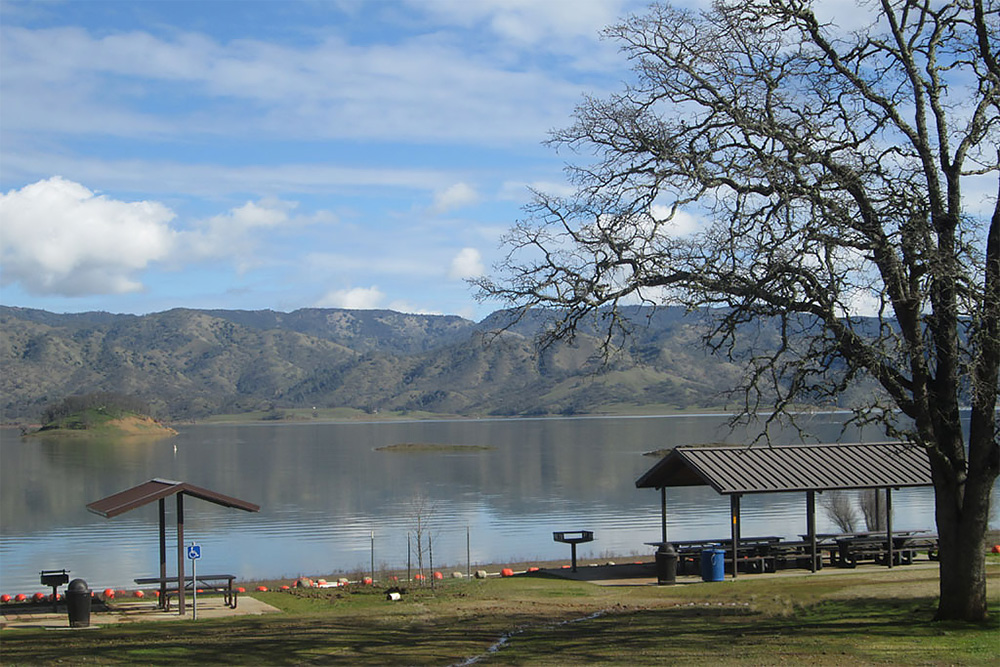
(155, 489)
(791, 468)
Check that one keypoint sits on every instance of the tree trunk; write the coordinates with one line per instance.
(962, 519)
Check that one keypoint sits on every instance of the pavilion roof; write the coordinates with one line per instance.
(731, 470)
(155, 489)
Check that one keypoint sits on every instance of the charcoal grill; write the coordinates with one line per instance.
(55, 579)
(573, 538)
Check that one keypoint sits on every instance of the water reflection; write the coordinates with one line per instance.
(323, 489)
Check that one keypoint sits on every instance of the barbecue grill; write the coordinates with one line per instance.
(573, 538)
(55, 579)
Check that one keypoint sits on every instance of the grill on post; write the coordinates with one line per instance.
(573, 538)
(55, 579)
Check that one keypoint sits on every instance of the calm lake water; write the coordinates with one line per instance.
(324, 490)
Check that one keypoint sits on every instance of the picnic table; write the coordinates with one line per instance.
(754, 553)
(874, 547)
(219, 583)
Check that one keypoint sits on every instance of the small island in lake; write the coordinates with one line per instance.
(101, 414)
(423, 448)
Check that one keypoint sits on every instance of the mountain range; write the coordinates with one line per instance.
(189, 364)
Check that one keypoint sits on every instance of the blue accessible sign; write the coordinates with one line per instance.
(194, 551)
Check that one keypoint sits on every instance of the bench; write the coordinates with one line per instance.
(904, 549)
(217, 583)
(799, 554)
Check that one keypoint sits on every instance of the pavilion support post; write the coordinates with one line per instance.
(163, 553)
(811, 527)
(180, 554)
(734, 510)
(888, 522)
(663, 514)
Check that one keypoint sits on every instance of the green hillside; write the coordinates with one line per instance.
(189, 364)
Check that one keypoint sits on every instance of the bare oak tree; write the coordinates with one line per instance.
(847, 182)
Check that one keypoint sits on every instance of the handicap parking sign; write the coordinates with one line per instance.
(194, 551)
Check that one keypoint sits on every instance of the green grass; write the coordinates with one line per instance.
(871, 617)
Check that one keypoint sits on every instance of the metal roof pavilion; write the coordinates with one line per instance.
(735, 471)
(160, 490)
(156, 489)
(731, 470)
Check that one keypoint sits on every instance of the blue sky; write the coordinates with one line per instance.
(281, 155)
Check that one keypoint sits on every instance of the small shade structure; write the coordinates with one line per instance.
(735, 471)
(160, 490)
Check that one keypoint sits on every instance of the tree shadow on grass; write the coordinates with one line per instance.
(267, 641)
(833, 632)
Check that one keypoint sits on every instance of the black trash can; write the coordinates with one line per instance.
(78, 603)
(666, 564)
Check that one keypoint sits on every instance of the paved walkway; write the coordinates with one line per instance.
(639, 574)
(128, 611)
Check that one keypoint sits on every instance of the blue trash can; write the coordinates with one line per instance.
(713, 565)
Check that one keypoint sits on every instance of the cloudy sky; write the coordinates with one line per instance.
(257, 154)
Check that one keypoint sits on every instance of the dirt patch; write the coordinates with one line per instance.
(140, 426)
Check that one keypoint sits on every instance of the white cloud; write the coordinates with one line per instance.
(681, 224)
(468, 263)
(551, 23)
(406, 307)
(235, 233)
(59, 238)
(520, 191)
(454, 197)
(357, 298)
(421, 87)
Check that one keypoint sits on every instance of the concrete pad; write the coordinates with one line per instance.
(130, 611)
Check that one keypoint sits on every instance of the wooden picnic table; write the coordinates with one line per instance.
(875, 547)
(219, 583)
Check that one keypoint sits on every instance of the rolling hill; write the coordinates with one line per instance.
(193, 363)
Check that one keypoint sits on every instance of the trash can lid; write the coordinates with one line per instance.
(77, 586)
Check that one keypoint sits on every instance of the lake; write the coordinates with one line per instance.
(327, 495)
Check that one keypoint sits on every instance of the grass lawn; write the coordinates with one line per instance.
(859, 617)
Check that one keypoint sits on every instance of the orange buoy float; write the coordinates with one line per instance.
(506, 572)
(239, 589)
(139, 594)
(4, 598)
(262, 589)
(20, 597)
(439, 576)
(109, 594)
(996, 548)
(533, 569)
(38, 597)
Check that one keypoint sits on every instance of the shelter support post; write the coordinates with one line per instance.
(163, 553)
(663, 514)
(811, 527)
(734, 510)
(180, 554)
(888, 522)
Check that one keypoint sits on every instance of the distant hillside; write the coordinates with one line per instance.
(194, 363)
